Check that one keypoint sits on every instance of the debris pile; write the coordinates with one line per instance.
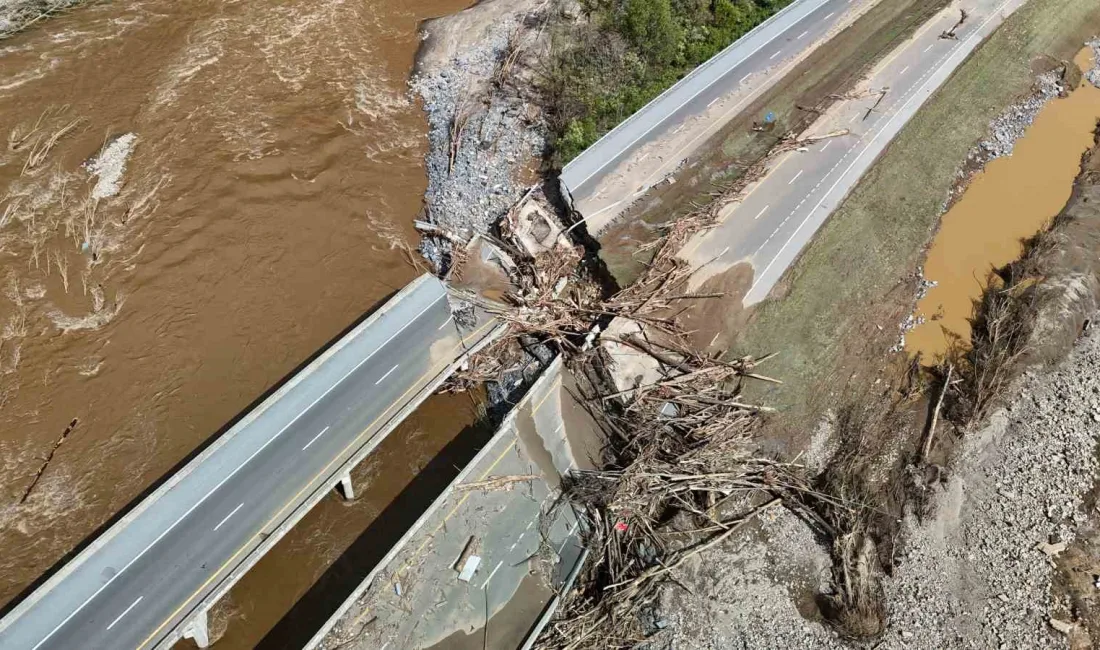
(680, 480)
(482, 134)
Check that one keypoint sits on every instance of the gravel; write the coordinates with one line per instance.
(743, 594)
(975, 576)
(972, 575)
(1093, 76)
(471, 195)
(1010, 126)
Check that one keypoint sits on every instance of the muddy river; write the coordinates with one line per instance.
(1011, 200)
(194, 197)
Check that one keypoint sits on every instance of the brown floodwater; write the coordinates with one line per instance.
(1011, 200)
(275, 164)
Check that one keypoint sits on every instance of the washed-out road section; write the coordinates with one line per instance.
(781, 213)
(601, 180)
(152, 575)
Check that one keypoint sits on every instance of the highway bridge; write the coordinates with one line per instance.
(151, 577)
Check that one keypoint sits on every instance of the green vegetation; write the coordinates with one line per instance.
(622, 53)
(832, 69)
(851, 279)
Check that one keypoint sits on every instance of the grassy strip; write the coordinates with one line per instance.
(877, 237)
(623, 53)
(830, 70)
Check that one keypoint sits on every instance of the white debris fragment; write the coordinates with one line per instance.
(470, 568)
(110, 165)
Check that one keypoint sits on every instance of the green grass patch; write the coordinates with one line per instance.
(878, 235)
(621, 54)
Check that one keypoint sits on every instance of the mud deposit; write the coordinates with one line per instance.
(1011, 200)
(194, 197)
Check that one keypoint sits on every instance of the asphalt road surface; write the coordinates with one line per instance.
(789, 32)
(147, 574)
(782, 212)
(525, 548)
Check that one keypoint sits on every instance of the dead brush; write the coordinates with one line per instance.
(1000, 337)
(42, 146)
(680, 479)
(849, 508)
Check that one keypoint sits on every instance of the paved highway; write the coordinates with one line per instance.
(782, 212)
(640, 152)
(154, 570)
(525, 549)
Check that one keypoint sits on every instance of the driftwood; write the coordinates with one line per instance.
(936, 415)
(498, 482)
(46, 461)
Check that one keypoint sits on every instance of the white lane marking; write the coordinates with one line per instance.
(226, 518)
(802, 35)
(682, 104)
(495, 569)
(744, 78)
(826, 146)
(388, 372)
(567, 536)
(222, 482)
(712, 102)
(829, 15)
(919, 87)
(775, 55)
(929, 47)
(446, 322)
(762, 211)
(132, 605)
(314, 438)
(529, 524)
(853, 118)
(724, 251)
(903, 70)
(795, 177)
(642, 159)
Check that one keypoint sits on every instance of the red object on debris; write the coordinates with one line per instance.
(621, 526)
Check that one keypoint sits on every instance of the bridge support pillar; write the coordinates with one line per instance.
(198, 630)
(345, 486)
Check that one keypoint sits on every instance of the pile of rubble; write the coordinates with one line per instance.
(1093, 75)
(482, 135)
(1011, 125)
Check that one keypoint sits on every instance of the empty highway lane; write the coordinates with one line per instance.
(150, 573)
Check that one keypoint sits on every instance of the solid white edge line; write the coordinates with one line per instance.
(314, 438)
(221, 483)
(690, 99)
(388, 373)
(916, 94)
(127, 611)
(226, 518)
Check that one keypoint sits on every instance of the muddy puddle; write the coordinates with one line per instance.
(194, 197)
(1011, 200)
